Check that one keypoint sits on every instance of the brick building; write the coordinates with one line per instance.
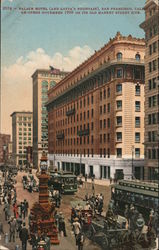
(4, 152)
(96, 113)
(151, 28)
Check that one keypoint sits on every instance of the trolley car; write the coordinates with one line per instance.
(143, 195)
(65, 182)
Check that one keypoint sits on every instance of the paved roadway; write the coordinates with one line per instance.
(66, 243)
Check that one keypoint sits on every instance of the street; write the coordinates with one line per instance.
(66, 243)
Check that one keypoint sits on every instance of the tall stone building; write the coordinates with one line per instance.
(151, 28)
(43, 80)
(22, 127)
(96, 113)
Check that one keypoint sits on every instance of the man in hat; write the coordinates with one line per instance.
(12, 228)
(76, 227)
(24, 237)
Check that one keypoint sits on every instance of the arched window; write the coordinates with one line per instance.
(44, 84)
(119, 56)
(52, 84)
(137, 57)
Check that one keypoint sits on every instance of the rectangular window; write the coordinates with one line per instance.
(149, 119)
(154, 29)
(92, 139)
(104, 94)
(92, 125)
(154, 99)
(100, 138)
(119, 105)
(154, 83)
(154, 47)
(137, 152)
(149, 83)
(101, 96)
(88, 114)
(137, 122)
(154, 64)
(104, 123)
(100, 124)
(108, 107)
(154, 120)
(108, 122)
(137, 137)
(137, 106)
(104, 137)
(137, 90)
(150, 49)
(119, 88)
(119, 73)
(119, 152)
(100, 110)
(150, 68)
(119, 136)
(92, 99)
(104, 108)
(119, 120)
(92, 112)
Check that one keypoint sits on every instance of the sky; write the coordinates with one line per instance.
(31, 41)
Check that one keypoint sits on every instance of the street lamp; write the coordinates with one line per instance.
(132, 150)
(4, 151)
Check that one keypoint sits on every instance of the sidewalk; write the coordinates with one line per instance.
(102, 182)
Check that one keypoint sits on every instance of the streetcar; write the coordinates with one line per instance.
(143, 195)
(65, 182)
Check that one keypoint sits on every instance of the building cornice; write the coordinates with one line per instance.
(22, 112)
(118, 39)
(97, 72)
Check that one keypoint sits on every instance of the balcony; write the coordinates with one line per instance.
(70, 112)
(60, 136)
(83, 132)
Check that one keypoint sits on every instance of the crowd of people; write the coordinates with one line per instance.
(14, 213)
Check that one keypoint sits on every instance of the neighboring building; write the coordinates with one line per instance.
(22, 127)
(96, 113)
(151, 28)
(4, 147)
(43, 80)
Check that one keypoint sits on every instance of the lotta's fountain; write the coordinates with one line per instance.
(42, 212)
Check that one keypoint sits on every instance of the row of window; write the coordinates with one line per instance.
(153, 48)
(153, 65)
(24, 142)
(102, 124)
(153, 153)
(25, 129)
(152, 31)
(153, 118)
(120, 56)
(23, 118)
(119, 137)
(24, 138)
(119, 152)
(152, 83)
(153, 101)
(152, 136)
(103, 153)
(24, 124)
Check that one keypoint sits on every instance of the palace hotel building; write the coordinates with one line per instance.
(151, 28)
(96, 113)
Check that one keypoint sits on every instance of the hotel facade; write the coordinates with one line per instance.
(22, 127)
(151, 28)
(96, 113)
(43, 80)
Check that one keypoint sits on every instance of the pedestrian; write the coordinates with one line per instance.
(24, 237)
(19, 225)
(80, 241)
(86, 177)
(61, 225)
(1, 228)
(26, 206)
(7, 211)
(15, 210)
(76, 227)
(12, 228)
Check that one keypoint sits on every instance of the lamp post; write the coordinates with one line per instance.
(4, 151)
(80, 161)
(132, 150)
